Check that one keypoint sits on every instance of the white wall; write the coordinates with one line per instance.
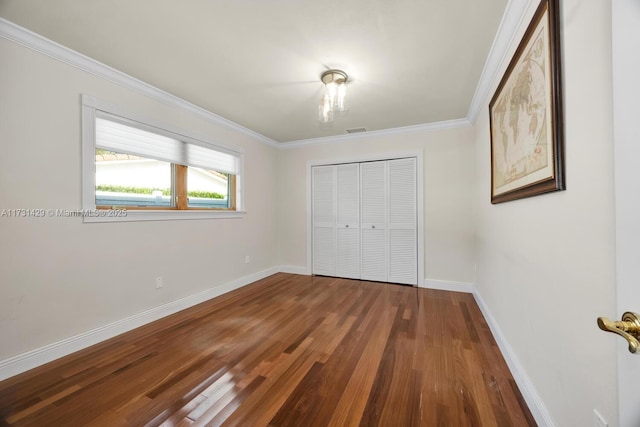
(546, 264)
(448, 184)
(60, 277)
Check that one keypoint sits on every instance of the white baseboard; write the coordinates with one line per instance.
(293, 269)
(31, 359)
(447, 285)
(443, 285)
(529, 393)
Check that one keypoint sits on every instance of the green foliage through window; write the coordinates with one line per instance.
(165, 191)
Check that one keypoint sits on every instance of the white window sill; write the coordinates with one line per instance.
(106, 215)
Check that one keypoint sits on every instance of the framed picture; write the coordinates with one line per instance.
(525, 113)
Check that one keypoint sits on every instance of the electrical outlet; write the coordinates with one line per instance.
(159, 282)
(598, 421)
(247, 259)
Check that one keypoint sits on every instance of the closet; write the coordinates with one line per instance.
(364, 220)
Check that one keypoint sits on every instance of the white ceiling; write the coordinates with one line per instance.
(258, 62)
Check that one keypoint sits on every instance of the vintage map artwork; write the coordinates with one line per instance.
(522, 153)
(525, 113)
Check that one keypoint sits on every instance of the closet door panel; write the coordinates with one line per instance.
(373, 221)
(324, 248)
(373, 178)
(348, 253)
(402, 192)
(323, 194)
(374, 255)
(348, 221)
(348, 181)
(403, 257)
(402, 224)
(324, 219)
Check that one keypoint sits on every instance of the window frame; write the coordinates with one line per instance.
(91, 108)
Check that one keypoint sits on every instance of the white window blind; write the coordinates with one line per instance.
(115, 134)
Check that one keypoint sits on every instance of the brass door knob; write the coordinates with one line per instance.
(628, 328)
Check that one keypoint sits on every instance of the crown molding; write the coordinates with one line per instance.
(427, 127)
(512, 19)
(31, 40)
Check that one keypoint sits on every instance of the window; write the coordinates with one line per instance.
(152, 171)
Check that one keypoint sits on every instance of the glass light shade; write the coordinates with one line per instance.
(341, 99)
(334, 98)
(325, 112)
(331, 90)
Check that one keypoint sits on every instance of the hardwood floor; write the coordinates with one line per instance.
(285, 351)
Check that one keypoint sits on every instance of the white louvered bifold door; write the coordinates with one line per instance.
(364, 218)
(324, 220)
(373, 220)
(348, 220)
(402, 222)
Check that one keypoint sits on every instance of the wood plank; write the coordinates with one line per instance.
(286, 350)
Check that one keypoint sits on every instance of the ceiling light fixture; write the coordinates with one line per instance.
(333, 100)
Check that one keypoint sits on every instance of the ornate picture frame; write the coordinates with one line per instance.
(526, 116)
